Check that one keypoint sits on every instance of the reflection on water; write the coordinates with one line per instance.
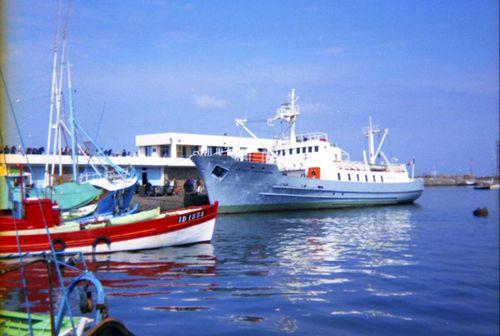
(310, 257)
(354, 271)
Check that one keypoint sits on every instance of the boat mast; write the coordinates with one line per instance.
(57, 142)
(373, 154)
(371, 141)
(74, 156)
(52, 96)
(289, 113)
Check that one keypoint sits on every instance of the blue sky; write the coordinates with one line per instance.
(427, 70)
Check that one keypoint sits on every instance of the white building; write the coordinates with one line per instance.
(160, 156)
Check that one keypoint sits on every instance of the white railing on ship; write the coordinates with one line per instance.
(310, 136)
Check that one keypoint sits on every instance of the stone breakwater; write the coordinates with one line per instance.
(452, 180)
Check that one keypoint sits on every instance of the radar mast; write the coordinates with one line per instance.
(288, 112)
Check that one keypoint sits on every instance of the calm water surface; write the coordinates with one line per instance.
(427, 268)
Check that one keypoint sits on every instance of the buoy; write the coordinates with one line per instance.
(480, 212)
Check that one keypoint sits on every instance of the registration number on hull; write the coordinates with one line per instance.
(190, 217)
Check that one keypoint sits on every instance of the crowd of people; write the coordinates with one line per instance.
(18, 150)
(193, 186)
(64, 151)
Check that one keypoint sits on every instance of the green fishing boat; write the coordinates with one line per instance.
(16, 324)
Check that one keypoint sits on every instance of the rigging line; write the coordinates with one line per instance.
(52, 249)
(19, 250)
(99, 123)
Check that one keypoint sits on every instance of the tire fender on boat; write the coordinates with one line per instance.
(101, 239)
(59, 245)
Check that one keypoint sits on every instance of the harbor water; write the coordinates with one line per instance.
(429, 268)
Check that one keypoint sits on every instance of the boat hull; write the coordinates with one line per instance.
(251, 187)
(184, 227)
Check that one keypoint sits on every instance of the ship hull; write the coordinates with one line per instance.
(252, 187)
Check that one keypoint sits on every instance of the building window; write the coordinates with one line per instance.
(336, 157)
(316, 148)
(165, 151)
(211, 150)
(303, 149)
(310, 149)
(147, 150)
(338, 175)
(284, 152)
(349, 177)
(298, 151)
(195, 149)
(374, 179)
(366, 178)
(290, 151)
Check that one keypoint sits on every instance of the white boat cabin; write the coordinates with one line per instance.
(311, 155)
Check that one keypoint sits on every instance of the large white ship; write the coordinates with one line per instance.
(305, 171)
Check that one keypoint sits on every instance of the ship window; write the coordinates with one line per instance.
(316, 148)
(298, 150)
(310, 149)
(366, 178)
(338, 175)
(349, 177)
(374, 180)
(290, 151)
(381, 178)
(357, 176)
(303, 149)
(219, 172)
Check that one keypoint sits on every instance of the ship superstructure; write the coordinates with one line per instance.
(306, 171)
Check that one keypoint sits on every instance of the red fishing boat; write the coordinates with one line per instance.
(145, 230)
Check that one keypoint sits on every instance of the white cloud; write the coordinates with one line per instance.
(206, 101)
(313, 108)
